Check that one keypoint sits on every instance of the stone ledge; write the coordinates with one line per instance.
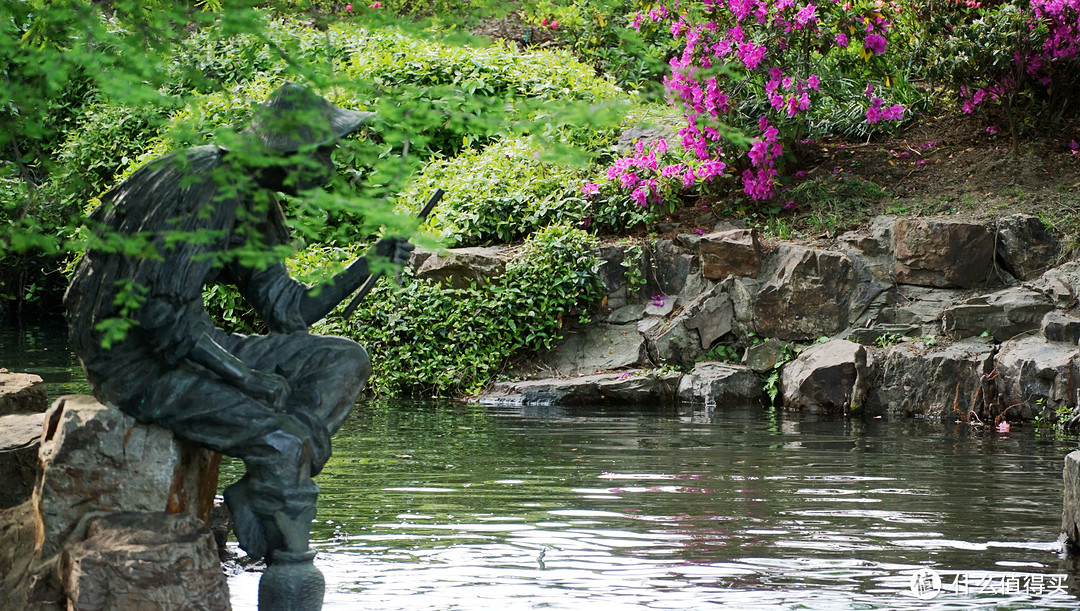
(627, 388)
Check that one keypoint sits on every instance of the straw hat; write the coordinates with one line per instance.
(294, 117)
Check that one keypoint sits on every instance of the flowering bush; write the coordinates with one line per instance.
(647, 179)
(760, 65)
(1019, 54)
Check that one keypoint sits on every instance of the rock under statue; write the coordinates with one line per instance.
(199, 217)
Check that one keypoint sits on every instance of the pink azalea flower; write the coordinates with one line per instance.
(875, 43)
(893, 113)
(689, 178)
(807, 14)
(590, 189)
(348, 8)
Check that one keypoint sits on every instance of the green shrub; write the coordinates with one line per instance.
(393, 58)
(430, 339)
(106, 139)
(597, 34)
(466, 96)
(500, 194)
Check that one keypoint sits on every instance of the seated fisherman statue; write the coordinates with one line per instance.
(271, 400)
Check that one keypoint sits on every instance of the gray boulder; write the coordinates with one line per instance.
(735, 252)
(943, 253)
(1070, 514)
(598, 347)
(626, 314)
(715, 384)
(933, 381)
(647, 135)
(146, 561)
(881, 333)
(669, 266)
(1061, 284)
(1058, 326)
(16, 553)
(878, 242)
(763, 357)
(613, 270)
(627, 388)
(1034, 375)
(683, 338)
(712, 315)
(805, 294)
(1026, 248)
(22, 393)
(1004, 314)
(919, 306)
(460, 267)
(828, 376)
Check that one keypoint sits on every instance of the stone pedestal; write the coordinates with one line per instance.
(96, 461)
(150, 561)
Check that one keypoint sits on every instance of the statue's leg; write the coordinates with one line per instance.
(275, 447)
(325, 376)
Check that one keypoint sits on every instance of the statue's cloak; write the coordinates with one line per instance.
(174, 226)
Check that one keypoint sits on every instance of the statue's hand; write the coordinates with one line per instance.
(268, 387)
(398, 250)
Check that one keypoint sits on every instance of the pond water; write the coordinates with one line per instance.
(450, 506)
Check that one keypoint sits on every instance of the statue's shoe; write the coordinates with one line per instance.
(248, 528)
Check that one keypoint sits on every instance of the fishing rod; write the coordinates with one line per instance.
(373, 278)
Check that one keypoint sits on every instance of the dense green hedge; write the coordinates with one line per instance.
(431, 339)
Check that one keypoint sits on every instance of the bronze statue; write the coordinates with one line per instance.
(197, 217)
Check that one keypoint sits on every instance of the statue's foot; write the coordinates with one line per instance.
(248, 528)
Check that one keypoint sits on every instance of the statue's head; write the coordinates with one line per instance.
(294, 120)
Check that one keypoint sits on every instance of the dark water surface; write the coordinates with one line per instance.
(451, 506)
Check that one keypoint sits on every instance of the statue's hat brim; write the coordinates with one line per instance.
(294, 117)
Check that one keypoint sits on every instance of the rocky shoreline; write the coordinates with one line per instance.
(929, 317)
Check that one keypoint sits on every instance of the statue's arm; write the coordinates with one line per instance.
(318, 301)
(268, 387)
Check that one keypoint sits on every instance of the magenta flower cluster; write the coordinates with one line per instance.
(877, 113)
(645, 173)
(759, 38)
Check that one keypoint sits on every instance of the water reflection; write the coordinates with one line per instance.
(429, 506)
(42, 348)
